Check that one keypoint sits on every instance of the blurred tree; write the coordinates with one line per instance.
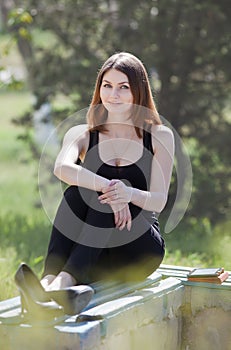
(193, 51)
(184, 44)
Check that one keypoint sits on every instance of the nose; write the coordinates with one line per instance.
(114, 93)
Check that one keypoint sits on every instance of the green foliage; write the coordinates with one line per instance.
(8, 264)
(24, 230)
(23, 238)
(9, 57)
(28, 235)
(186, 50)
(198, 243)
(178, 258)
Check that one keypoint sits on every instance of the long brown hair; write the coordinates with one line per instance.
(143, 110)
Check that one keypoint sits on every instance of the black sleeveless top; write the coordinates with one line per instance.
(135, 174)
(100, 216)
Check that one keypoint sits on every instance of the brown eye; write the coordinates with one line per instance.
(106, 85)
(125, 87)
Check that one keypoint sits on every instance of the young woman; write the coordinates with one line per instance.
(118, 167)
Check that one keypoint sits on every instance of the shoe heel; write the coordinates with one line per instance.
(35, 301)
(23, 304)
(73, 299)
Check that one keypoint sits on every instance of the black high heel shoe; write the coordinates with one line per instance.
(34, 300)
(72, 299)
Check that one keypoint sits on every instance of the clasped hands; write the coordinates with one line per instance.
(118, 195)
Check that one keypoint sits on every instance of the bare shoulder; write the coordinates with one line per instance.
(162, 131)
(163, 135)
(78, 133)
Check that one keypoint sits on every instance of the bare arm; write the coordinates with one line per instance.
(75, 143)
(162, 163)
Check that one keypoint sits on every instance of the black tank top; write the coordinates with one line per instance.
(100, 216)
(135, 174)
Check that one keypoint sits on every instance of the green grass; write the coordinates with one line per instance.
(8, 263)
(24, 229)
(17, 174)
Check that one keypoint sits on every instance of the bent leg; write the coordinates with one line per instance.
(67, 226)
(139, 258)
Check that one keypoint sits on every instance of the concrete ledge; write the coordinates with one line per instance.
(162, 312)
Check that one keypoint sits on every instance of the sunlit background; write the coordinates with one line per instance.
(50, 54)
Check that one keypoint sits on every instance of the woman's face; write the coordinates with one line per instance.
(115, 92)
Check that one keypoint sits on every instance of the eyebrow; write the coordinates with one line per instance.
(122, 82)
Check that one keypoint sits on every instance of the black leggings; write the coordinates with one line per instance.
(134, 260)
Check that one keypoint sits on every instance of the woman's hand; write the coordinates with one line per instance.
(116, 193)
(122, 216)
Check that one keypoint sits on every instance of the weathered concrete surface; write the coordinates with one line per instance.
(208, 329)
(163, 313)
